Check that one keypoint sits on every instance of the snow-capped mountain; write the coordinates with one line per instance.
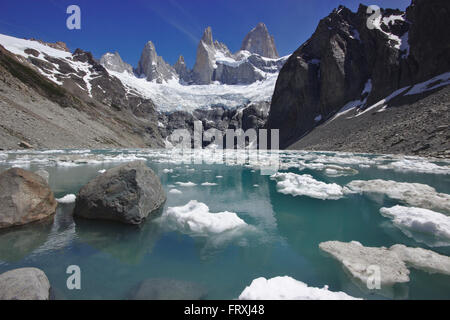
(218, 78)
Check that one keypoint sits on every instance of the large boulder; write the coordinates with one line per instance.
(24, 284)
(25, 197)
(128, 194)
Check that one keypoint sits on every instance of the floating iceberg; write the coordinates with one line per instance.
(195, 217)
(287, 288)
(413, 220)
(306, 185)
(414, 194)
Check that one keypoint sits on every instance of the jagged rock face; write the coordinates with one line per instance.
(113, 62)
(344, 61)
(259, 41)
(204, 63)
(153, 67)
(429, 38)
(215, 62)
(182, 70)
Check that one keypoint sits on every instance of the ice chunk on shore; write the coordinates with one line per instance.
(423, 221)
(195, 217)
(68, 198)
(359, 261)
(287, 288)
(306, 185)
(414, 194)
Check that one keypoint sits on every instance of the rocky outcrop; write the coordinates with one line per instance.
(346, 61)
(25, 197)
(24, 284)
(250, 116)
(128, 194)
(259, 41)
(113, 62)
(153, 67)
(182, 70)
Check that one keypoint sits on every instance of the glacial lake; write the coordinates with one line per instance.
(282, 239)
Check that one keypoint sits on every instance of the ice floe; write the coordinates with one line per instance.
(393, 263)
(186, 184)
(175, 191)
(421, 166)
(168, 170)
(414, 194)
(306, 185)
(422, 259)
(416, 222)
(194, 217)
(68, 198)
(287, 288)
(359, 262)
(209, 184)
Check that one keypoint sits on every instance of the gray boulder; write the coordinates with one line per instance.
(24, 284)
(25, 197)
(128, 194)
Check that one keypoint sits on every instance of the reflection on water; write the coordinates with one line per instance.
(156, 260)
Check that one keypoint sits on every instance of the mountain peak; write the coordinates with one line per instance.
(207, 36)
(113, 62)
(259, 41)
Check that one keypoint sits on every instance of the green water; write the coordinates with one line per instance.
(114, 258)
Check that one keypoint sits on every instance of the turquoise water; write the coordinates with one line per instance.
(114, 258)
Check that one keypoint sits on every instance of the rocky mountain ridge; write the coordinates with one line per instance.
(347, 65)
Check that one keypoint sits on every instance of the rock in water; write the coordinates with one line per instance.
(168, 289)
(24, 197)
(24, 284)
(128, 194)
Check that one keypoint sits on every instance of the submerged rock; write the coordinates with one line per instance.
(24, 284)
(128, 194)
(25, 197)
(168, 289)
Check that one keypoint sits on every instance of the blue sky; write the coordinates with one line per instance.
(175, 26)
